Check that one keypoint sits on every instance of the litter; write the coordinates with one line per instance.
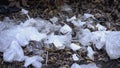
(66, 29)
(13, 53)
(90, 53)
(75, 58)
(34, 60)
(90, 65)
(74, 46)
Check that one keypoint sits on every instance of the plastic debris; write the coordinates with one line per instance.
(90, 65)
(75, 65)
(29, 22)
(54, 19)
(66, 29)
(113, 45)
(13, 53)
(58, 44)
(71, 19)
(101, 28)
(24, 11)
(85, 37)
(86, 15)
(35, 61)
(90, 53)
(99, 38)
(24, 35)
(75, 58)
(74, 47)
(78, 23)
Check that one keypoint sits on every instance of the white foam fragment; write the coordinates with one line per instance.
(13, 53)
(66, 29)
(54, 19)
(113, 44)
(58, 44)
(75, 58)
(90, 53)
(90, 65)
(71, 19)
(74, 47)
(34, 60)
(100, 27)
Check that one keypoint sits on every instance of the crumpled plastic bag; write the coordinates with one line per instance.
(41, 25)
(60, 41)
(13, 53)
(7, 36)
(34, 60)
(113, 44)
(99, 38)
(90, 65)
(85, 37)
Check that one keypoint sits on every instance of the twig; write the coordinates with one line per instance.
(46, 58)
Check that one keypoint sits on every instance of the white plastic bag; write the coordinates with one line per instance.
(35, 61)
(86, 37)
(113, 44)
(13, 53)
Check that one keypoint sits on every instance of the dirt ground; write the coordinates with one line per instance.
(110, 12)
